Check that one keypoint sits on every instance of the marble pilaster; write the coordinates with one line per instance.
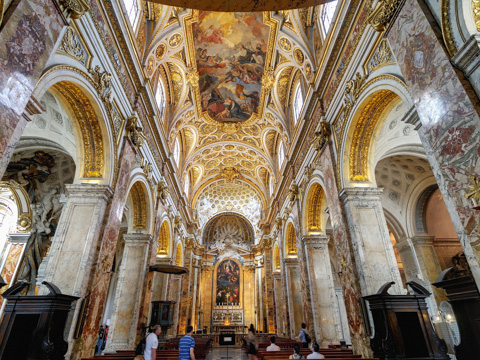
(128, 294)
(206, 299)
(268, 283)
(324, 304)
(249, 294)
(294, 295)
(280, 308)
(186, 292)
(372, 247)
(259, 294)
(99, 281)
(448, 110)
(27, 39)
(193, 310)
(343, 247)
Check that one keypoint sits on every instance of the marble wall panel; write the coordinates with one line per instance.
(27, 39)
(449, 113)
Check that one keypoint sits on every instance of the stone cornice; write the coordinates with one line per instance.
(89, 191)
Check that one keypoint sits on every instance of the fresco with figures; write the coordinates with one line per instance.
(230, 50)
(228, 283)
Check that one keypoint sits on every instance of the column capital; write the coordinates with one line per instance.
(140, 238)
(316, 242)
(89, 191)
(290, 261)
(423, 240)
(362, 196)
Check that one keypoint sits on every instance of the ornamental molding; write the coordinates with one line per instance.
(381, 16)
(73, 45)
(102, 82)
(135, 133)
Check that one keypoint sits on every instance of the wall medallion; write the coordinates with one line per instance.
(298, 55)
(175, 40)
(285, 44)
(160, 51)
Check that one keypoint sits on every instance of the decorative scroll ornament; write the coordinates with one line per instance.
(322, 136)
(74, 8)
(178, 222)
(135, 133)
(381, 16)
(381, 57)
(474, 190)
(163, 191)
(278, 222)
(293, 192)
(476, 12)
(230, 174)
(103, 83)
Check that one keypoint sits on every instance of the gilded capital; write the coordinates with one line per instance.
(74, 8)
(381, 16)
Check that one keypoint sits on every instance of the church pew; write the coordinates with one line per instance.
(285, 357)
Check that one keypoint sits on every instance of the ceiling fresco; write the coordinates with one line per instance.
(230, 52)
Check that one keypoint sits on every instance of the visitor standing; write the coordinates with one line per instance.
(187, 345)
(151, 343)
(252, 343)
(315, 352)
(101, 337)
(304, 336)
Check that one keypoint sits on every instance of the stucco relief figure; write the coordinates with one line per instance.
(35, 175)
(227, 234)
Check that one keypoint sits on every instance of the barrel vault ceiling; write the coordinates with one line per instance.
(228, 80)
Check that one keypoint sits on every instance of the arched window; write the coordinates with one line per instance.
(326, 15)
(290, 241)
(297, 103)
(276, 258)
(160, 99)
(271, 185)
(133, 11)
(176, 152)
(179, 255)
(281, 155)
(186, 186)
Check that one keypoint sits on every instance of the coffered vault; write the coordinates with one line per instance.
(229, 81)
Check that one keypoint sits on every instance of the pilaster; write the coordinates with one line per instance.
(128, 294)
(372, 247)
(326, 315)
(294, 295)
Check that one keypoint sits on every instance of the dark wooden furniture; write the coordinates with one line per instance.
(33, 326)
(402, 326)
(464, 297)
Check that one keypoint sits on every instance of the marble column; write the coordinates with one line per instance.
(448, 110)
(27, 39)
(421, 264)
(128, 294)
(98, 283)
(294, 295)
(372, 247)
(326, 319)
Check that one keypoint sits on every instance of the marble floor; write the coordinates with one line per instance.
(220, 353)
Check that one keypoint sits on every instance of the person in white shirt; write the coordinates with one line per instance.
(273, 346)
(151, 344)
(315, 352)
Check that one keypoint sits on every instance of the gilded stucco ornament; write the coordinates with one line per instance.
(74, 8)
(322, 136)
(192, 77)
(230, 174)
(473, 191)
(381, 16)
(178, 222)
(353, 89)
(268, 78)
(24, 222)
(135, 133)
(476, 12)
